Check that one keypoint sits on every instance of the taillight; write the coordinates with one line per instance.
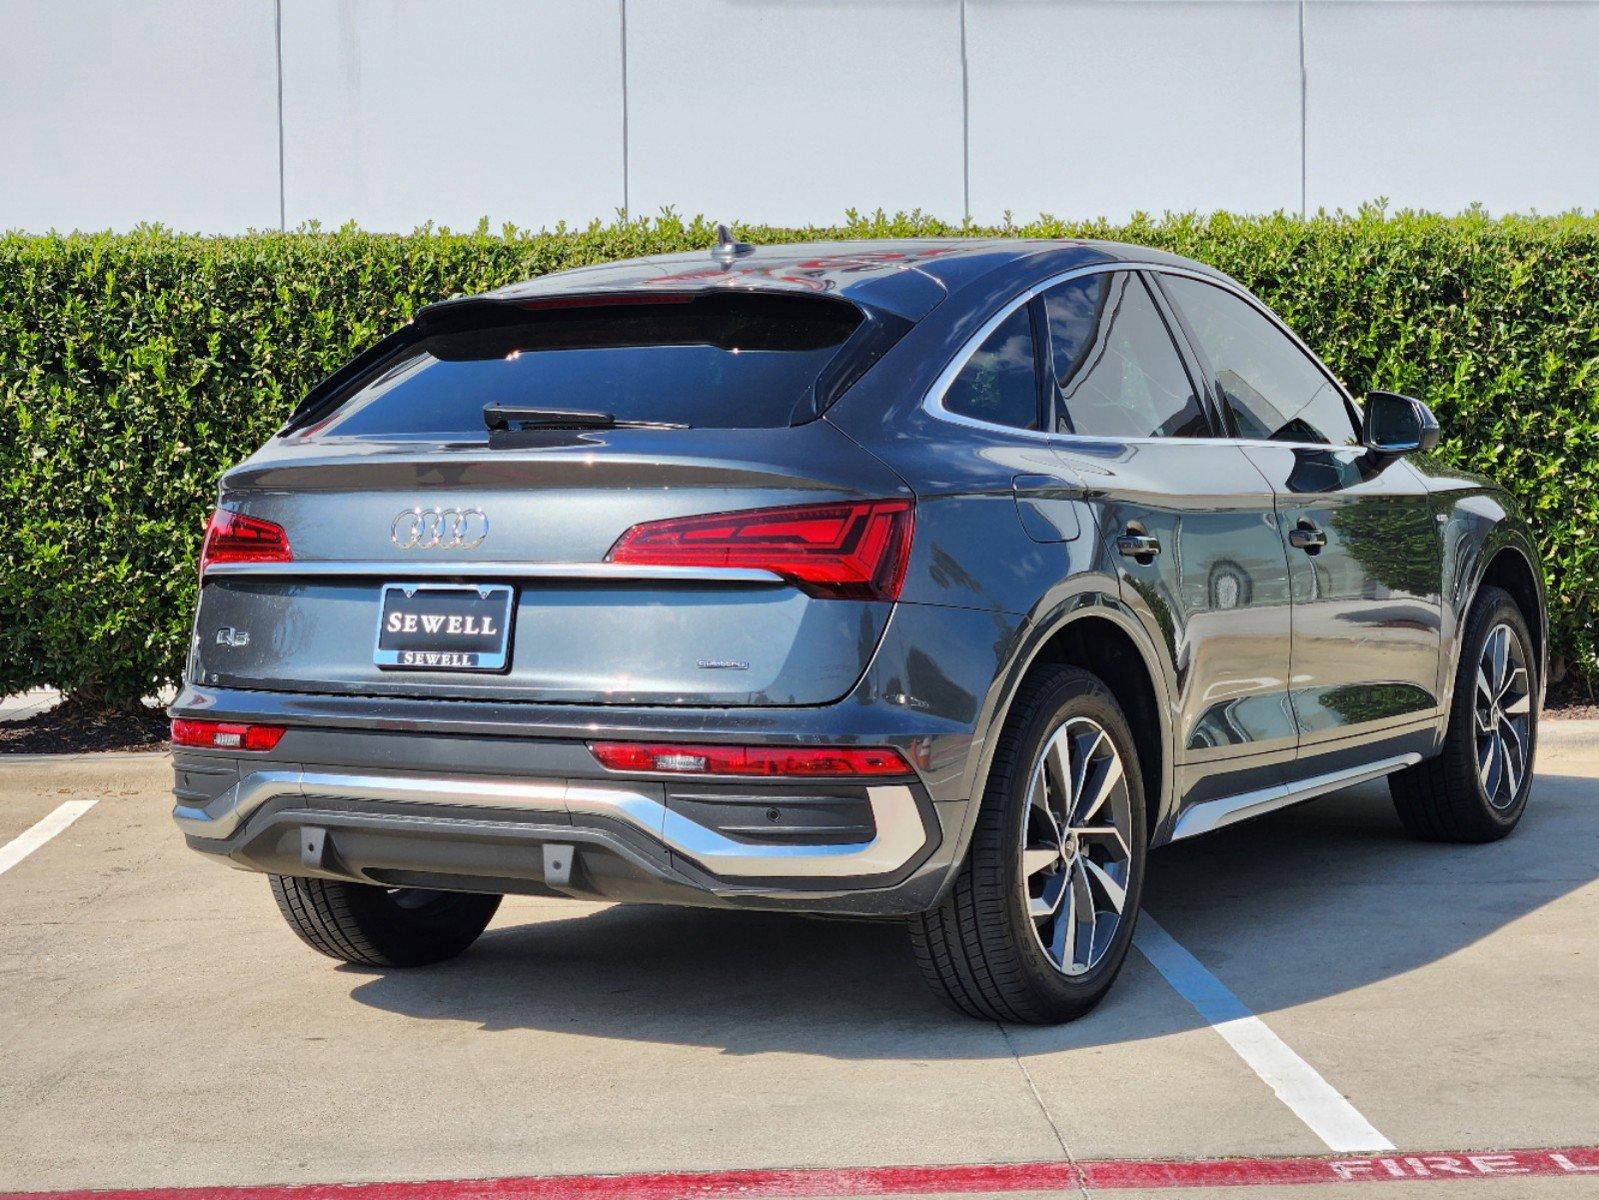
(225, 735)
(234, 537)
(851, 551)
(800, 761)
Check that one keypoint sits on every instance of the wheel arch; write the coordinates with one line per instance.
(1505, 558)
(1089, 630)
(1103, 646)
(1509, 567)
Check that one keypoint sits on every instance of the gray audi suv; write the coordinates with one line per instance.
(933, 580)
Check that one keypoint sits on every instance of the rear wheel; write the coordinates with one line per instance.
(381, 927)
(1476, 789)
(1041, 915)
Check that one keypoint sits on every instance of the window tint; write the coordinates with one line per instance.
(1268, 384)
(1000, 383)
(719, 361)
(1117, 373)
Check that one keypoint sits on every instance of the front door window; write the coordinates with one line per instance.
(1271, 390)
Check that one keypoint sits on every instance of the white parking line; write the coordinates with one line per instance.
(25, 843)
(1310, 1097)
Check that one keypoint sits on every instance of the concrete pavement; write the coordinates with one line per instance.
(162, 1027)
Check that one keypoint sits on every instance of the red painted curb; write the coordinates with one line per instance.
(1110, 1174)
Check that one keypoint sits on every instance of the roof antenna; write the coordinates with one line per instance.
(726, 249)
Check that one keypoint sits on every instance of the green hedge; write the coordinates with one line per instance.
(134, 368)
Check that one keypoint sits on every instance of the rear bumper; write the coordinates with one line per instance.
(480, 796)
(538, 816)
(897, 833)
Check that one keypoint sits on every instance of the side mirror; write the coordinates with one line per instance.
(1398, 425)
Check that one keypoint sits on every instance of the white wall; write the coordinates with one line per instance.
(794, 110)
(396, 112)
(1441, 105)
(1089, 108)
(114, 112)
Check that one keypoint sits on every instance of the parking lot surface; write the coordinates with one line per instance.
(162, 1027)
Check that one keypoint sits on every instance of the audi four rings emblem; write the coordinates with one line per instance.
(439, 529)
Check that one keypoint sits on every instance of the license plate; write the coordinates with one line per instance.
(444, 627)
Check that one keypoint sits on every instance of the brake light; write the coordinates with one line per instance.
(803, 761)
(234, 537)
(850, 551)
(224, 735)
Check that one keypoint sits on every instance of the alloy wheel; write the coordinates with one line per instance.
(1503, 704)
(1076, 845)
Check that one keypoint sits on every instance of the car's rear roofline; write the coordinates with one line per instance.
(878, 329)
(896, 282)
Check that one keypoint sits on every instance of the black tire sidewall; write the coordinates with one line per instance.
(415, 937)
(362, 923)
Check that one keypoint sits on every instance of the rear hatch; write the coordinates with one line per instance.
(528, 561)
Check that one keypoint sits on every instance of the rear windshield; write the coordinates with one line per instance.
(720, 361)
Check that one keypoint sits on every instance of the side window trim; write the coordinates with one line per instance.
(1043, 366)
(1048, 389)
(933, 399)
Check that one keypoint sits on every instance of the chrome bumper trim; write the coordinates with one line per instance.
(900, 832)
(446, 569)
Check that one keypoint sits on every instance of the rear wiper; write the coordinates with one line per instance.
(513, 416)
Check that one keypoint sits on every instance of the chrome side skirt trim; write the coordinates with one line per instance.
(444, 568)
(1213, 814)
(900, 833)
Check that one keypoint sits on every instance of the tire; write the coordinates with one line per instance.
(980, 949)
(1446, 798)
(381, 927)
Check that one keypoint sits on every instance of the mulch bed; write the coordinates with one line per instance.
(70, 728)
(1571, 700)
(1571, 712)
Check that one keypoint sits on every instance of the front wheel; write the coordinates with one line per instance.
(1475, 790)
(1041, 915)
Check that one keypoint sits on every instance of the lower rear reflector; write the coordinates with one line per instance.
(225, 735)
(800, 762)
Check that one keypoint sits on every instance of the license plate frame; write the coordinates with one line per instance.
(477, 653)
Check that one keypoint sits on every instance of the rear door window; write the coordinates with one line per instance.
(719, 361)
(1117, 371)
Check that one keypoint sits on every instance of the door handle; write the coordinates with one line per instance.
(1307, 536)
(1140, 546)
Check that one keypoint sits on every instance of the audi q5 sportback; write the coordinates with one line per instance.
(928, 579)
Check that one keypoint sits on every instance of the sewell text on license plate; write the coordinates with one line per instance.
(444, 627)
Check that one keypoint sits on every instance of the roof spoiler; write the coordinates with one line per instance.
(443, 316)
(468, 312)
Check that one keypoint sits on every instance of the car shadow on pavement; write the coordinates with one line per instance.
(1301, 905)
